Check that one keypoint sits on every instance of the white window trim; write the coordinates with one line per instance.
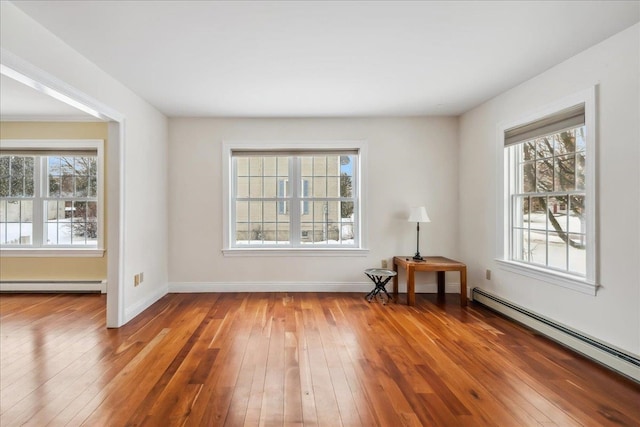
(63, 250)
(229, 146)
(589, 283)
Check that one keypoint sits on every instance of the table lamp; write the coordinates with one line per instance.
(418, 215)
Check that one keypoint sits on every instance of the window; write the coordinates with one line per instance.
(549, 195)
(286, 199)
(50, 195)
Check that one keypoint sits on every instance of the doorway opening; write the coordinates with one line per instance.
(27, 74)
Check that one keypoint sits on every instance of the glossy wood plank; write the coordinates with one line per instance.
(293, 359)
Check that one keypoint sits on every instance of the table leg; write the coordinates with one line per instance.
(411, 285)
(441, 283)
(395, 280)
(463, 286)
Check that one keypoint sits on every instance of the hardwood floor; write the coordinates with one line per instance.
(290, 359)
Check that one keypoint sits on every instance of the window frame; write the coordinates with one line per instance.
(40, 147)
(589, 283)
(228, 246)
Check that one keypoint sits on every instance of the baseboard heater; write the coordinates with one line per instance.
(54, 286)
(605, 354)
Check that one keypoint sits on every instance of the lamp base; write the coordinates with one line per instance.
(417, 257)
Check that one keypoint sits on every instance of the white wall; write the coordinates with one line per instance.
(614, 314)
(145, 150)
(411, 161)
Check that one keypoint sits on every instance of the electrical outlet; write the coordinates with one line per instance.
(383, 263)
(141, 277)
(136, 280)
(488, 274)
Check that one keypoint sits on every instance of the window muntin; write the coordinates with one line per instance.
(302, 199)
(547, 201)
(50, 195)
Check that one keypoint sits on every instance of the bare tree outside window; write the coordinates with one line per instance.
(72, 210)
(49, 194)
(16, 199)
(548, 206)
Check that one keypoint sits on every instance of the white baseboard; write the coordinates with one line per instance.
(187, 287)
(54, 286)
(595, 349)
(140, 306)
(194, 287)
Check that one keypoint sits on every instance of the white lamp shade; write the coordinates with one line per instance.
(419, 214)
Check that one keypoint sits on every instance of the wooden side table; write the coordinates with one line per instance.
(431, 263)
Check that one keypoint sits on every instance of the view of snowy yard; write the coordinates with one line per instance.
(556, 254)
(56, 193)
(59, 233)
(548, 194)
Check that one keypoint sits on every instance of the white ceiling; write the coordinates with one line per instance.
(314, 59)
(20, 102)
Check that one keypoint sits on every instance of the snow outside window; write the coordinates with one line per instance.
(49, 198)
(549, 195)
(547, 204)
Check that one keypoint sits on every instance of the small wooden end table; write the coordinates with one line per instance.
(430, 263)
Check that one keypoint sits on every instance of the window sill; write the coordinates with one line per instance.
(295, 252)
(555, 278)
(51, 253)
